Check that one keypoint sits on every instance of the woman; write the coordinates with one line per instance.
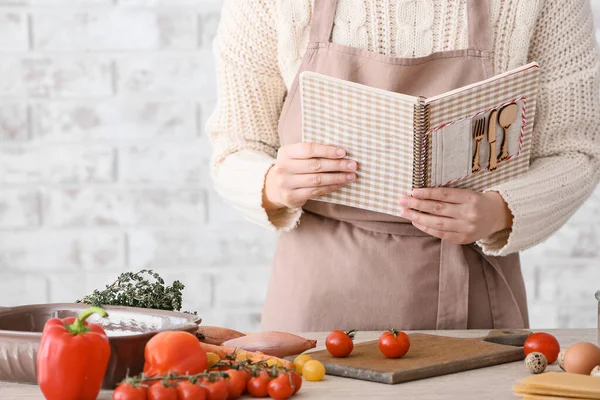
(452, 261)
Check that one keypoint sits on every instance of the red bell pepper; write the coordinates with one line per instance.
(73, 357)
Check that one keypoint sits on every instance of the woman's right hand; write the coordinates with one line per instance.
(304, 171)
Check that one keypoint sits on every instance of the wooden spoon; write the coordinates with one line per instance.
(507, 116)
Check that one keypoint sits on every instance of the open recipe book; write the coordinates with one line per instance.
(472, 137)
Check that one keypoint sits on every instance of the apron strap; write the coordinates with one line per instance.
(453, 294)
(480, 35)
(322, 21)
(510, 315)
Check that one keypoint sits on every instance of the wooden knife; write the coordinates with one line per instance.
(492, 140)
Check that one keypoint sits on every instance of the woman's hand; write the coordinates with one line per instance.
(457, 215)
(304, 171)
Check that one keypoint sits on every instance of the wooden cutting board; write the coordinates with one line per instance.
(428, 356)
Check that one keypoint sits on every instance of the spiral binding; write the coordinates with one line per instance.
(421, 144)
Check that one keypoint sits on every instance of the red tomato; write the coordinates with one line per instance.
(159, 391)
(543, 343)
(296, 381)
(339, 343)
(189, 391)
(257, 385)
(236, 383)
(280, 388)
(247, 374)
(394, 343)
(217, 390)
(127, 392)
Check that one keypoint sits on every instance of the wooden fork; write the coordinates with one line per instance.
(478, 135)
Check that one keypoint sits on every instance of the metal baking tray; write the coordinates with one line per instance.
(127, 328)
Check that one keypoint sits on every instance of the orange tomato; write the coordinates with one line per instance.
(174, 351)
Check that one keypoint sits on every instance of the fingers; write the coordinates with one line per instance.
(432, 207)
(311, 150)
(307, 170)
(317, 180)
(448, 195)
(311, 193)
(433, 221)
(316, 165)
(454, 237)
(299, 197)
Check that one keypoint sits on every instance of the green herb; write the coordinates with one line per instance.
(144, 289)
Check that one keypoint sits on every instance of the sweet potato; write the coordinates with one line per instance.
(255, 357)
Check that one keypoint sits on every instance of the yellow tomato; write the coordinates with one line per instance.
(313, 370)
(242, 357)
(212, 358)
(300, 361)
(271, 362)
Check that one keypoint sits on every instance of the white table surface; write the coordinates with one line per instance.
(485, 383)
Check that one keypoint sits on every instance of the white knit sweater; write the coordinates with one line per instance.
(260, 43)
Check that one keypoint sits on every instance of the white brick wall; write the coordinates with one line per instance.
(104, 167)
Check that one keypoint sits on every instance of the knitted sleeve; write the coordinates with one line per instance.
(243, 127)
(565, 167)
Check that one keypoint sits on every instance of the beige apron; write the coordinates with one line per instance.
(346, 268)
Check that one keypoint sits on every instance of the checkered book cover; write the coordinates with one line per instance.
(381, 131)
(470, 102)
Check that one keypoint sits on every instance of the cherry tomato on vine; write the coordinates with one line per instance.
(247, 374)
(217, 389)
(339, 343)
(159, 391)
(236, 383)
(280, 388)
(296, 381)
(189, 391)
(127, 392)
(258, 385)
(543, 343)
(394, 343)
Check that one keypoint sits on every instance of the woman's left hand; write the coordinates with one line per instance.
(458, 215)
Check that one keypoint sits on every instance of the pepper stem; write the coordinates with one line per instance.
(78, 326)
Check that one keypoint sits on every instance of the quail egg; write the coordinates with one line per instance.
(536, 362)
(561, 359)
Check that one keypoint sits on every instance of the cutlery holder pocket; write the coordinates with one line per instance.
(453, 145)
(450, 149)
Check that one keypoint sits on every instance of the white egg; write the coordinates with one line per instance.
(596, 371)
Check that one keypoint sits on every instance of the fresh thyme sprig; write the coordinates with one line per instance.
(144, 289)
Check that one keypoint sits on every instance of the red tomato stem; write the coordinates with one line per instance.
(351, 333)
